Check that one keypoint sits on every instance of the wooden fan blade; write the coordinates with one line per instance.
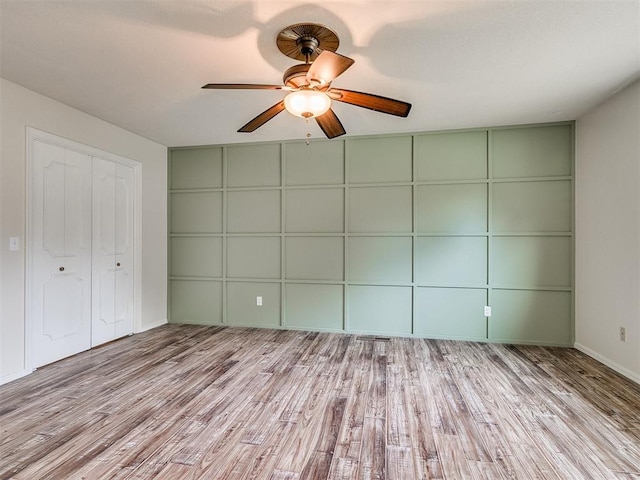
(330, 124)
(243, 86)
(370, 101)
(328, 66)
(263, 118)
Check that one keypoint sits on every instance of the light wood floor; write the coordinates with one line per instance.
(233, 403)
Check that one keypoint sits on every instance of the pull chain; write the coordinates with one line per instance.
(306, 60)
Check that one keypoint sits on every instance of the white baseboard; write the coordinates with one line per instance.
(153, 325)
(604, 360)
(14, 376)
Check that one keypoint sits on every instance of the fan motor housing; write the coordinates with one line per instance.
(296, 76)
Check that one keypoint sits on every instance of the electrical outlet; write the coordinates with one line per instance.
(259, 301)
(487, 311)
(623, 334)
(14, 244)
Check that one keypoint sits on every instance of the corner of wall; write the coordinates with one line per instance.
(607, 212)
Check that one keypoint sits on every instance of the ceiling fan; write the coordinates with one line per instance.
(309, 83)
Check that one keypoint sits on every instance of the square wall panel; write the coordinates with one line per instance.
(314, 306)
(452, 156)
(384, 159)
(253, 211)
(199, 212)
(451, 261)
(316, 210)
(253, 165)
(380, 210)
(196, 256)
(253, 257)
(452, 208)
(196, 302)
(196, 168)
(242, 308)
(374, 309)
(532, 152)
(380, 259)
(532, 207)
(451, 312)
(532, 261)
(531, 316)
(315, 258)
(319, 163)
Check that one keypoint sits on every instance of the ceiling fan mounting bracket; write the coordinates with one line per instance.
(305, 41)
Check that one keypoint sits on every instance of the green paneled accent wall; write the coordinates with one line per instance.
(242, 308)
(543, 206)
(532, 261)
(196, 257)
(197, 168)
(255, 211)
(378, 309)
(534, 316)
(315, 307)
(539, 152)
(451, 313)
(380, 160)
(196, 302)
(319, 210)
(253, 257)
(322, 164)
(451, 156)
(451, 261)
(387, 235)
(453, 208)
(380, 209)
(380, 259)
(253, 166)
(326, 262)
(196, 212)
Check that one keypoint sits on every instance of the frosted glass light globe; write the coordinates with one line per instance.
(307, 103)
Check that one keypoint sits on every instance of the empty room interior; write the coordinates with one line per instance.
(290, 240)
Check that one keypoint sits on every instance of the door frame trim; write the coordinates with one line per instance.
(33, 134)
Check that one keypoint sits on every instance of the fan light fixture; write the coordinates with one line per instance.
(307, 103)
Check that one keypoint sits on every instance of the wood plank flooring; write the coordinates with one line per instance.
(186, 402)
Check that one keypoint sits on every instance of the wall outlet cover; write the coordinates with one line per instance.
(487, 311)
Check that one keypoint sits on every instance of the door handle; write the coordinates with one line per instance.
(61, 269)
(118, 264)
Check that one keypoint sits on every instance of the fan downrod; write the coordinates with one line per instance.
(307, 45)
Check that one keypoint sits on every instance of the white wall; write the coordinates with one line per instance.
(608, 231)
(20, 108)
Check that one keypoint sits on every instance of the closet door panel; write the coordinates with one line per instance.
(60, 262)
(112, 251)
(104, 269)
(124, 251)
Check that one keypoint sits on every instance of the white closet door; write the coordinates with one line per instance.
(112, 296)
(60, 266)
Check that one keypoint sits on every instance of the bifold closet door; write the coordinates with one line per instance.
(60, 259)
(112, 298)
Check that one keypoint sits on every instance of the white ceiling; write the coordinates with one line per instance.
(140, 64)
